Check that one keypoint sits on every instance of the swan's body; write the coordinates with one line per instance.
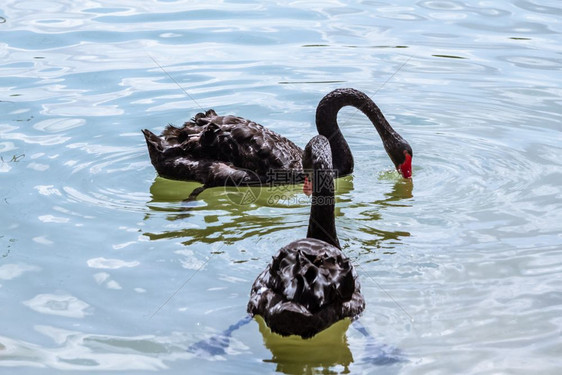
(218, 150)
(228, 150)
(310, 284)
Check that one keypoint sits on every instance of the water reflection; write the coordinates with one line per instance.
(401, 190)
(327, 350)
(367, 232)
(219, 214)
(229, 214)
(229, 232)
(294, 355)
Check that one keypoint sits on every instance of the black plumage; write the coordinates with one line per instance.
(310, 284)
(227, 150)
(221, 150)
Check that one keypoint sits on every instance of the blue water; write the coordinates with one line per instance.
(103, 268)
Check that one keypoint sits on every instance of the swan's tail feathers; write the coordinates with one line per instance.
(154, 143)
(152, 140)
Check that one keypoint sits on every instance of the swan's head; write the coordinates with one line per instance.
(317, 156)
(401, 154)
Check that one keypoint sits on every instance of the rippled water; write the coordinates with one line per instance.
(104, 268)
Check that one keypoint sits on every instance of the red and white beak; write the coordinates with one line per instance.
(406, 168)
(307, 187)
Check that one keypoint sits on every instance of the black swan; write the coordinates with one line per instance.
(227, 150)
(310, 284)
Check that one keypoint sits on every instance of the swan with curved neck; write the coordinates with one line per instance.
(396, 147)
(310, 284)
(227, 150)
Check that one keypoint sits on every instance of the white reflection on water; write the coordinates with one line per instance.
(54, 304)
(104, 263)
(10, 271)
(79, 351)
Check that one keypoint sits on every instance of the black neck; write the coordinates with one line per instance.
(326, 123)
(322, 223)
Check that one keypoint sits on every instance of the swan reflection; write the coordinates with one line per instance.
(224, 214)
(294, 355)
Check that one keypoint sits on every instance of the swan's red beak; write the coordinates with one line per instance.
(406, 168)
(307, 187)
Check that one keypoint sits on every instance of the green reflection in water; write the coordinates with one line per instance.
(229, 214)
(402, 189)
(368, 213)
(294, 355)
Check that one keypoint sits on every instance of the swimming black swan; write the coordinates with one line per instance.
(310, 284)
(227, 150)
